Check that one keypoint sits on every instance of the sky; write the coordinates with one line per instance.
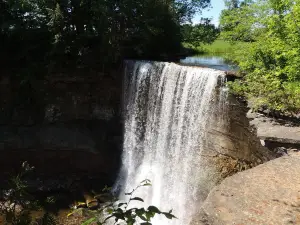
(214, 12)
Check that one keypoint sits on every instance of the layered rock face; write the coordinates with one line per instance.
(266, 194)
(231, 144)
(280, 132)
(62, 125)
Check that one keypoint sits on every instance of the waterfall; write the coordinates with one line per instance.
(167, 111)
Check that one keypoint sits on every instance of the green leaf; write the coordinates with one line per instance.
(150, 215)
(89, 221)
(153, 209)
(142, 217)
(129, 193)
(121, 204)
(110, 210)
(146, 181)
(137, 199)
(169, 215)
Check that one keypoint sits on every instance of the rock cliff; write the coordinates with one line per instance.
(62, 125)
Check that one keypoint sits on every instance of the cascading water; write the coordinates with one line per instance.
(168, 108)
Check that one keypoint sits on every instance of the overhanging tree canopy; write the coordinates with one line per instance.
(40, 35)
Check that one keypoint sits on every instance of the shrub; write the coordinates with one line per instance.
(17, 204)
(121, 213)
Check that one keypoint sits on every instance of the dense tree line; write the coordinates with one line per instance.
(198, 34)
(267, 38)
(38, 36)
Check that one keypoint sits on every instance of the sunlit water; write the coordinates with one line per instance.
(167, 109)
(214, 62)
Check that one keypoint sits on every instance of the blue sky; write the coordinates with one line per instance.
(214, 12)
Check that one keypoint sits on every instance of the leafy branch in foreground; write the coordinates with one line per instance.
(17, 204)
(121, 213)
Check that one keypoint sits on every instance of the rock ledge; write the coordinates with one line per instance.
(266, 194)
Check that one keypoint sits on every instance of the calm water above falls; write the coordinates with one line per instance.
(168, 109)
(210, 61)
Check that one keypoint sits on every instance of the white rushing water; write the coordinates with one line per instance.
(167, 109)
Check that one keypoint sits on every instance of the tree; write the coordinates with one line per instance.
(232, 4)
(41, 36)
(271, 62)
(241, 21)
(202, 33)
(186, 9)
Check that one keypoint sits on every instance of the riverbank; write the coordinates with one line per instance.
(218, 47)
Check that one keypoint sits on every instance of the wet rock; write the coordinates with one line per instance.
(92, 204)
(280, 151)
(80, 205)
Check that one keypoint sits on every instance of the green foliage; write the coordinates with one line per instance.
(17, 204)
(202, 33)
(242, 22)
(271, 62)
(219, 46)
(120, 212)
(42, 36)
(232, 4)
(185, 9)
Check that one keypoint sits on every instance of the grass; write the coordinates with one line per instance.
(217, 47)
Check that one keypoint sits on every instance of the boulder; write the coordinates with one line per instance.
(266, 194)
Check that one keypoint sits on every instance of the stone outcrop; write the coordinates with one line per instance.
(266, 194)
(61, 124)
(231, 145)
(276, 132)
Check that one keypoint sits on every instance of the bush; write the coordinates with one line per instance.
(121, 213)
(271, 62)
(17, 204)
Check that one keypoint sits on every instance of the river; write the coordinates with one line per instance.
(217, 62)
